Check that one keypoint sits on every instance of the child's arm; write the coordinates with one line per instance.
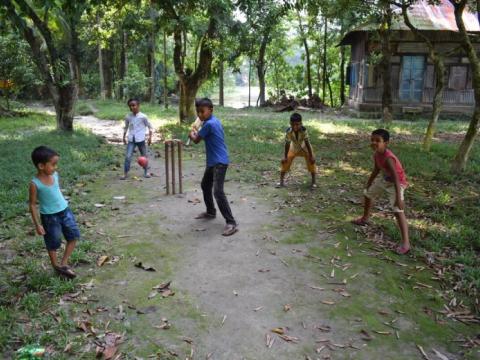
(373, 175)
(310, 151)
(125, 129)
(193, 135)
(150, 131)
(32, 204)
(396, 181)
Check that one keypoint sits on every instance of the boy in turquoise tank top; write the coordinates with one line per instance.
(55, 218)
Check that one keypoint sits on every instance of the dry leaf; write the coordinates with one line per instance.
(287, 307)
(101, 260)
(258, 308)
(290, 338)
(422, 352)
(146, 268)
(279, 331)
(328, 302)
(440, 355)
(269, 340)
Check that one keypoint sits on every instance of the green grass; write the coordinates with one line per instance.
(443, 209)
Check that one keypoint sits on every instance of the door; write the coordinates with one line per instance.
(411, 81)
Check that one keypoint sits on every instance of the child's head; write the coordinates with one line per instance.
(204, 108)
(379, 139)
(296, 121)
(134, 105)
(45, 159)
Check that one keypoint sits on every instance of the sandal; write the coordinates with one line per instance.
(229, 230)
(124, 177)
(279, 185)
(66, 271)
(401, 250)
(206, 216)
(360, 221)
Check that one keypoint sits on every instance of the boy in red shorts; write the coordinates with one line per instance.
(393, 183)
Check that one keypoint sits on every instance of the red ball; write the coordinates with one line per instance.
(142, 161)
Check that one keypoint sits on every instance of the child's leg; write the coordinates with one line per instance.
(367, 206)
(52, 254)
(128, 158)
(68, 251)
(403, 225)
(142, 147)
(222, 202)
(285, 167)
(207, 188)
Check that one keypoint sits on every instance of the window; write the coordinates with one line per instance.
(458, 77)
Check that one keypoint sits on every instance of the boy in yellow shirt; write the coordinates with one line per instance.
(297, 144)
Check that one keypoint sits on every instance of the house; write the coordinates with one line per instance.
(412, 72)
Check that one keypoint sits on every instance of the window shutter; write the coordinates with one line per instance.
(458, 77)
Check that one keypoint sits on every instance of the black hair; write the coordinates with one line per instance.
(204, 102)
(295, 117)
(383, 133)
(133, 99)
(42, 155)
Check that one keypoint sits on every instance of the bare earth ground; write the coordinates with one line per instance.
(229, 292)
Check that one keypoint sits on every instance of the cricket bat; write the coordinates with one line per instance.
(197, 125)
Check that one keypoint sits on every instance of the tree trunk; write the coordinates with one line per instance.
(460, 161)
(187, 102)
(307, 56)
(385, 32)
(261, 68)
(64, 102)
(165, 87)
(100, 72)
(123, 64)
(220, 85)
(107, 59)
(439, 67)
(152, 46)
(249, 81)
(324, 81)
(342, 75)
(330, 91)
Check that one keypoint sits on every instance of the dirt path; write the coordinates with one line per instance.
(229, 292)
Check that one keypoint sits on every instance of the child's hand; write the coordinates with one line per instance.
(40, 230)
(311, 159)
(284, 160)
(125, 141)
(149, 142)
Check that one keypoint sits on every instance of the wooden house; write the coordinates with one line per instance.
(412, 72)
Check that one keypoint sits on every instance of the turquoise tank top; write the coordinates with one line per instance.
(50, 197)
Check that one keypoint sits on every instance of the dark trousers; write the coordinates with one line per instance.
(213, 179)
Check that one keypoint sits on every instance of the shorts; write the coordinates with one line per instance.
(379, 187)
(292, 155)
(57, 224)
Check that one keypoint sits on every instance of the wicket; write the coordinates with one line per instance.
(170, 164)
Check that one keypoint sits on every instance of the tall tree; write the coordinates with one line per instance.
(55, 52)
(384, 32)
(460, 161)
(304, 39)
(184, 15)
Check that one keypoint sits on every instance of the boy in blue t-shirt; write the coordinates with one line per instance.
(217, 165)
(55, 215)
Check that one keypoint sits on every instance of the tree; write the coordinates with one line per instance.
(184, 16)
(460, 161)
(262, 18)
(51, 33)
(439, 70)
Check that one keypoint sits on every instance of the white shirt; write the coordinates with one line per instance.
(137, 126)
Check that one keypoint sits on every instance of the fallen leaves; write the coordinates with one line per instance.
(162, 289)
(146, 268)
(109, 345)
(165, 325)
(101, 260)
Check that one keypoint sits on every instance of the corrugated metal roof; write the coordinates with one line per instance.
(428, 17)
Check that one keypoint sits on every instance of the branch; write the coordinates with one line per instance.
(41, 26)
(206, 52)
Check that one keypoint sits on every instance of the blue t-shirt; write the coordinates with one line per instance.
(212, 133)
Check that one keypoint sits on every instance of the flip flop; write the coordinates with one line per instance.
(360, 221)
(402, 250)
(229, 230)
(279, 185)
(66, 271)
(206, 216)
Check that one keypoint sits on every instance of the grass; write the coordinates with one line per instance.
(28, 291)
(442, 208)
